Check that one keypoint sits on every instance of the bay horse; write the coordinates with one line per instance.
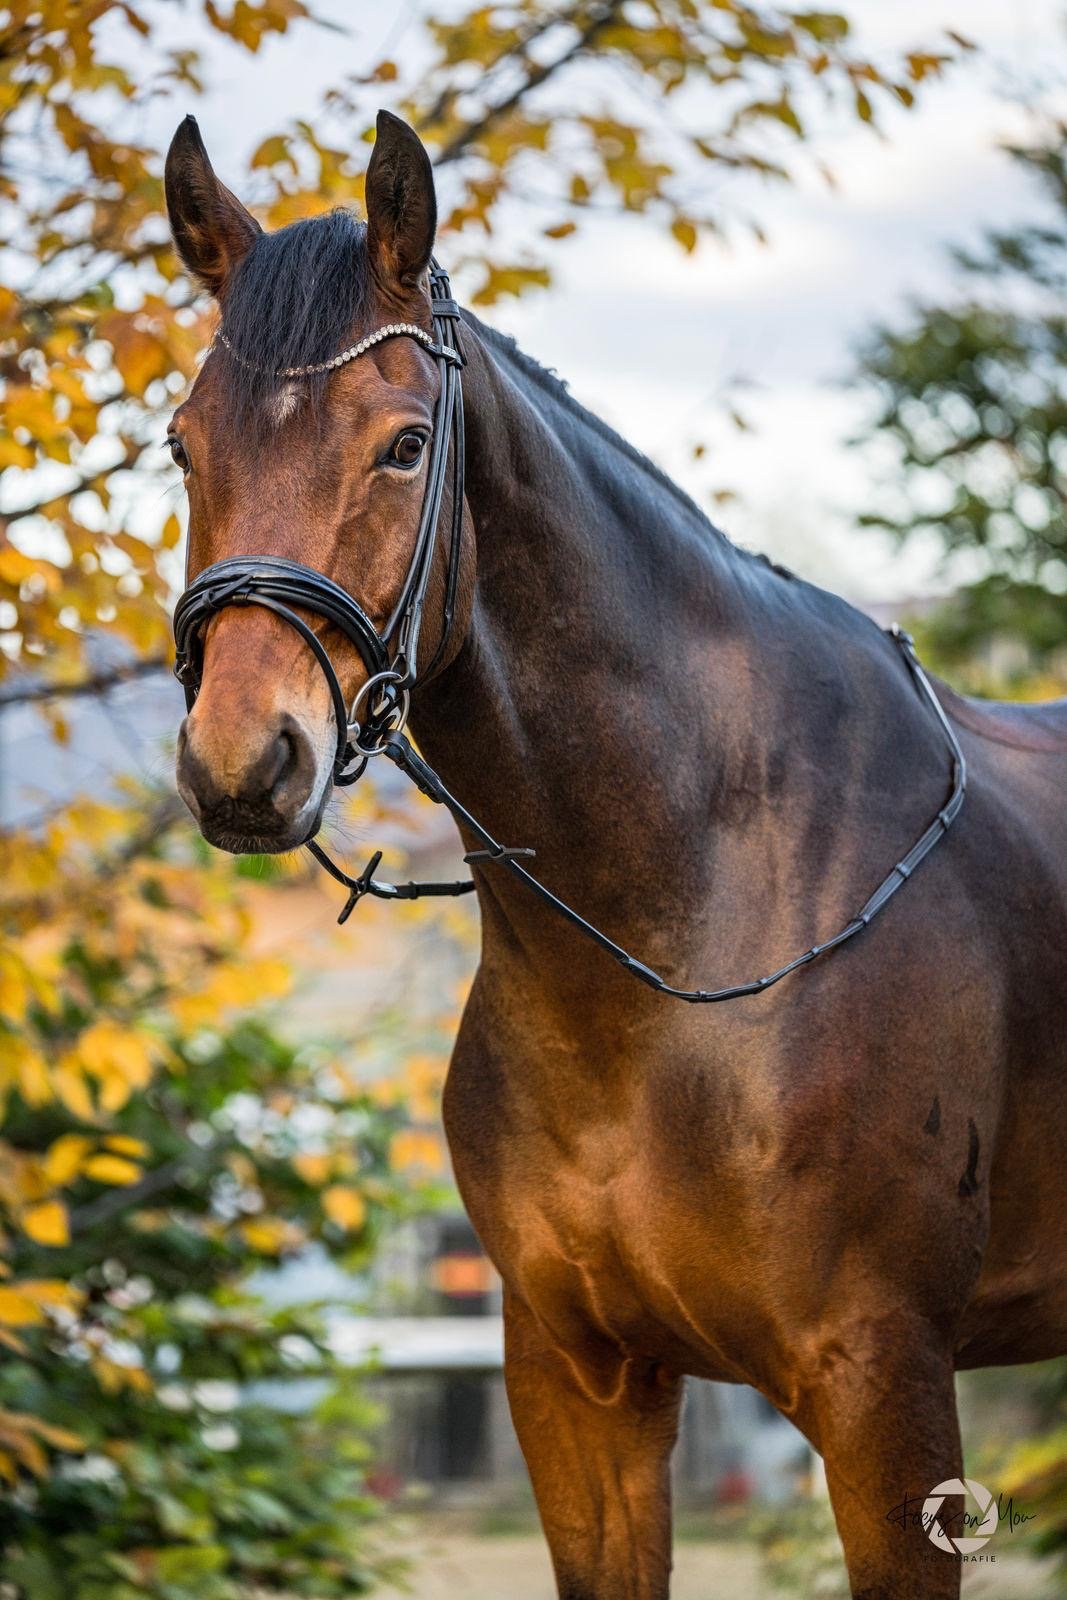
(839, 1189)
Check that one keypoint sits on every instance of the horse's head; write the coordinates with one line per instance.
(327, 469)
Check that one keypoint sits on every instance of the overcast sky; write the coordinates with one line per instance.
(785, 316)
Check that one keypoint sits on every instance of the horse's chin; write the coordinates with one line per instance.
(245, 837)
(250, 844)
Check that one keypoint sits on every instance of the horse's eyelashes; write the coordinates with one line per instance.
(179, 454)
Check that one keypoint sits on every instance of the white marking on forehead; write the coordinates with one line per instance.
(284, 403)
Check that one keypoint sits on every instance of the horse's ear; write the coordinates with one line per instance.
(212, 230)
(401, 207)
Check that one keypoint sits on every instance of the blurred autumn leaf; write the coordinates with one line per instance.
(159, 1143)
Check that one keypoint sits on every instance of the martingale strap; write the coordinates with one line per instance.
(399, 751)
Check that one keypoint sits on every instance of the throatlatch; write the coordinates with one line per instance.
(378, 730)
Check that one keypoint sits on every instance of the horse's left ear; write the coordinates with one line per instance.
(211, 228)
(401, 206)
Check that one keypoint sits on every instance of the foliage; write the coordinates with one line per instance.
(1036, 1471)
(801, 1551)
(160, 1144)
(973, 399)
(212, 1497)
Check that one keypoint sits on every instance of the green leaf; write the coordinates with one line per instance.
(182, 1563)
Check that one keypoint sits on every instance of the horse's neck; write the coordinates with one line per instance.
(659, 715)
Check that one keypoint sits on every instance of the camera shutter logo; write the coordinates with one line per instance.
(964, 1546)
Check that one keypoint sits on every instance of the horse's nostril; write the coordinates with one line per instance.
(287, 775)
(283, 760)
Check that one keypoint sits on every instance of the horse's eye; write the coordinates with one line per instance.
(407, 449)
(177, 450)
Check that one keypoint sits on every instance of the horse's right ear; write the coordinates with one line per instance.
(401, 208)
(212, 230)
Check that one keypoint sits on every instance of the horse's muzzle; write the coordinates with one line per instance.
(259, 798)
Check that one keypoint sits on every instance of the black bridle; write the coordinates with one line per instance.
(279, 585)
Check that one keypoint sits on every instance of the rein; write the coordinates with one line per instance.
(378, 730)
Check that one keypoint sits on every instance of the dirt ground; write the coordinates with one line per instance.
(447, 1565)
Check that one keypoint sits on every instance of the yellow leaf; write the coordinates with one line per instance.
(114, 1092)
(15, 988)
(313, 1167)
(17, 1310)
(112, 1169)
(126, 1145)
(50, 1292)
(58, 1438)
(106, 1048)
(13, 454)
(47, 1223)
(344, 1206)
(113, 1377)
(685, 233)
(139, 355)
(64, 1158)
(269, 1235)
(34, 1084)
(272, 151)
(414, 1148)
(29, 1452)
(70, 1086)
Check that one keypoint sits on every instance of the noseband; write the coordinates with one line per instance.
(384, 700)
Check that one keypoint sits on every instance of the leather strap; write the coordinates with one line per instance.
(399, 751)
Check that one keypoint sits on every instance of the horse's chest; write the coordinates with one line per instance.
(578, 1260)
(609, 1218)
(602, 1256)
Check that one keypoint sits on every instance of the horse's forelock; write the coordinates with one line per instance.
(293, 300)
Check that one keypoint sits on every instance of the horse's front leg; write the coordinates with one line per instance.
(597, 1432)
(881, 1407)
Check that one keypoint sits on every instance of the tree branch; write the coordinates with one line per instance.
(537, 75)
(83, 480)
(168, 1176)
(96, 683)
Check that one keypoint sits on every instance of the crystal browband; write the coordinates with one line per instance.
(391, 330)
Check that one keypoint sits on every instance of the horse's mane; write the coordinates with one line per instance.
(552, 384)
